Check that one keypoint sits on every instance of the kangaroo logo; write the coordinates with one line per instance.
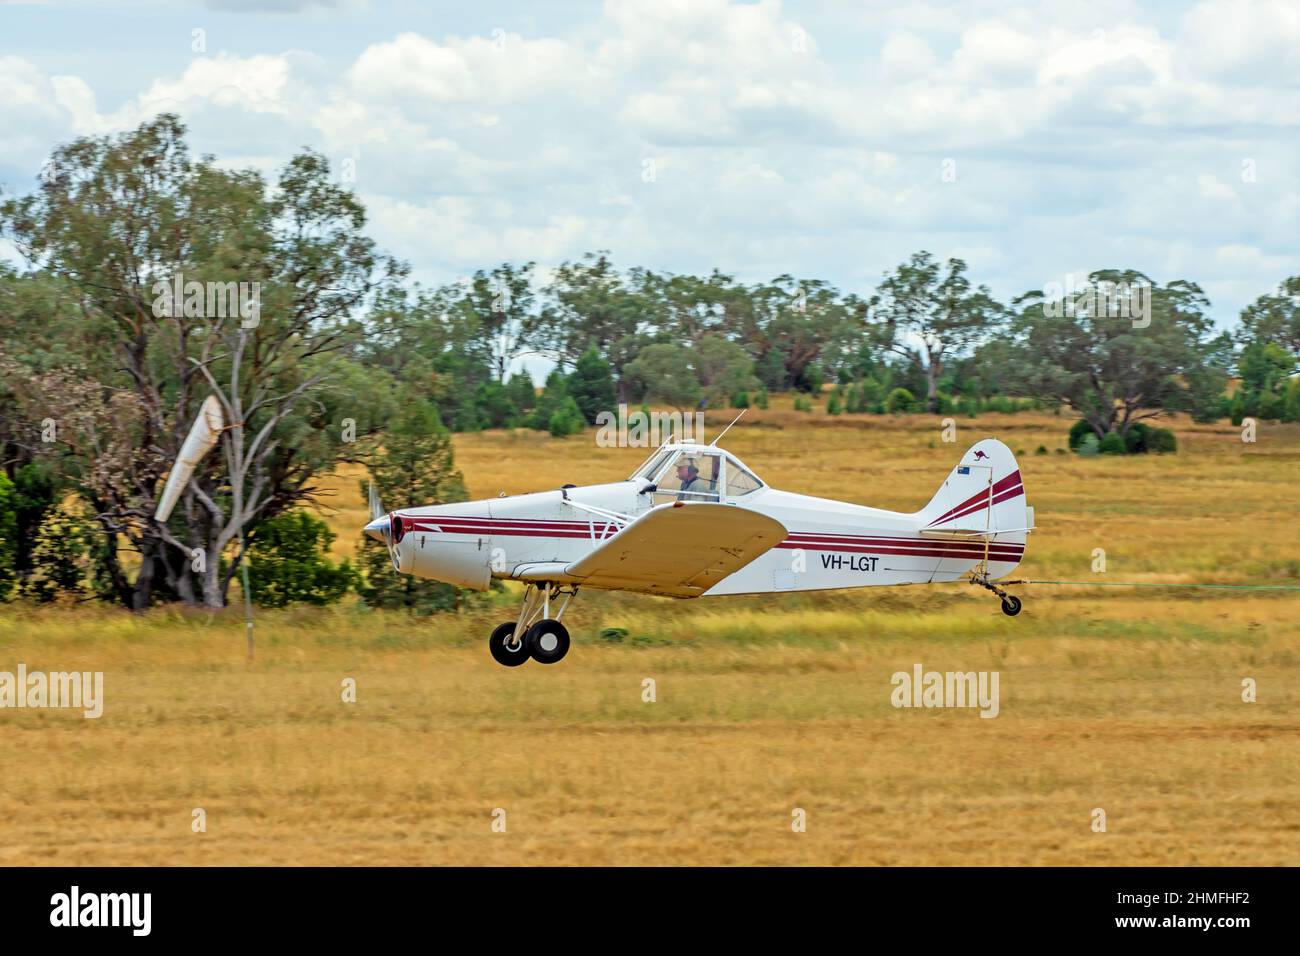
(979, 455)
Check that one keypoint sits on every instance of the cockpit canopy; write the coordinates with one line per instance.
(696, 473)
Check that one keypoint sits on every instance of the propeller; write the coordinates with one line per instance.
(381, 527)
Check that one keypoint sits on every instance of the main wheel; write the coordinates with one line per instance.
(503, 652)
(547, 642)
(1011, 605)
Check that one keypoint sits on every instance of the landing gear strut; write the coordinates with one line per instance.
(1010, 603)
(542, 637)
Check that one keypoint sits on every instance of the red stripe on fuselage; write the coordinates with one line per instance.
(1010, 556)
(884, 539)
(918, 546)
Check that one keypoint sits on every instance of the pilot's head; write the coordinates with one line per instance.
(686, 472)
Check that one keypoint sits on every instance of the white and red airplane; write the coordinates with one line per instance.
(694, 521)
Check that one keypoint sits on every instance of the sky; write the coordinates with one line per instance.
(826, 140)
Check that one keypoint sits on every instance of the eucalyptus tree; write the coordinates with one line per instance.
(933, 313)
(1118, 366)
(200, 280)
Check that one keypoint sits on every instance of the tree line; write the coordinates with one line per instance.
(346, 361)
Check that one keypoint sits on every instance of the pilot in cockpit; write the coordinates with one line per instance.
(689, 476)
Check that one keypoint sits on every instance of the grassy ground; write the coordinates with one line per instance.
(1127, 700)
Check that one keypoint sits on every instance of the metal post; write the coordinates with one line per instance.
(248, 593)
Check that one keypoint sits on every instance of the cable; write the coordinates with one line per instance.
(1147, 584)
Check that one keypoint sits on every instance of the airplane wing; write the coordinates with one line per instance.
(679, 549)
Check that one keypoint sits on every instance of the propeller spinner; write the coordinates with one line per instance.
(381, 526)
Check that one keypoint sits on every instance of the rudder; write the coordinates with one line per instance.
(983, 498)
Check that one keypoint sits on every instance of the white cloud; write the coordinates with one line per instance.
(485, 72)
(1212, 188)
(1247, 42)
(31, 113)
(995, 55)
(256, 84)
(907, 56)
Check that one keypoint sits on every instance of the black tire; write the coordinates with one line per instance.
(502, 652)
(1011, 605)
(547, 642)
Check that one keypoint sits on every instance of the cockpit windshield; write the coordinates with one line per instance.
(739, 481)
(650, 467)
(696, 473)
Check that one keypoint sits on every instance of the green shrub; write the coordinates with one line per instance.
(855, 399)
(496, 406)
(567, 419)
(740, 399)
(833, 406)
(1078, 430)
(900, 401)
(1088, 446)
(1272, 406)
(1162, 441)
(1143, 438)
(1112, 444)
(523, 394)
(59, 558)
(36, 492)
(555, 398)
(1135, 442)
(1138, 440)
(288, 563)
(1291, 405)
(1237, 408)
(8, 534)
(592, 386)
(871, 396)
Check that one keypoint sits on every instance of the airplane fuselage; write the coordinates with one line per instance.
(830, 544)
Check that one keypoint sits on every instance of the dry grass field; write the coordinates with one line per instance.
(1123, 699)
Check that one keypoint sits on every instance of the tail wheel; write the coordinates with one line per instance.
(1011, 605)
(547, 642)
(503, 650)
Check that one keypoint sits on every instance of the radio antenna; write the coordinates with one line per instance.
(728, 428)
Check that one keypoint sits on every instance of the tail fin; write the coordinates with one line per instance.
(982, 496)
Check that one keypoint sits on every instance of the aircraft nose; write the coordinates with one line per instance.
(379, 529)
